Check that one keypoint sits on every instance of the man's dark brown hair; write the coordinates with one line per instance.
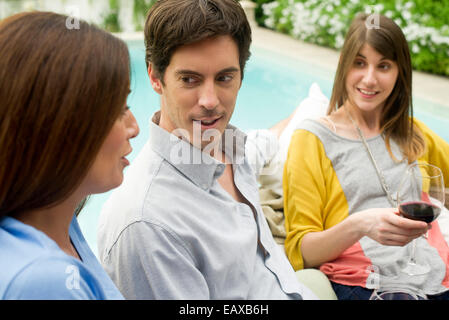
(173, 23)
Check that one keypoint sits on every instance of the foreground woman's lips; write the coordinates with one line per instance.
(125, 161)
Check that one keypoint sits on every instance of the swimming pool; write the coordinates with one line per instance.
(272, 88)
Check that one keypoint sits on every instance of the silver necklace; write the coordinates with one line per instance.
(378, 171)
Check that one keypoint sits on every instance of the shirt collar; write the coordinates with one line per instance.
(197, 166)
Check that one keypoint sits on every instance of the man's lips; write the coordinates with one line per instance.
(207, 122)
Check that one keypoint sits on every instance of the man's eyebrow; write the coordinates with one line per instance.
(191, 72)
(186, 71)
(230, 69)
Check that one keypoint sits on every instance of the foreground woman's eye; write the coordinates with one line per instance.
(126, 108)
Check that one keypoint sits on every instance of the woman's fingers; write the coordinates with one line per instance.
(408, 226)
(389, 228)
(393, 239)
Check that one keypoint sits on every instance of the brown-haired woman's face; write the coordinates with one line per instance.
(371, 79)
(107, 170)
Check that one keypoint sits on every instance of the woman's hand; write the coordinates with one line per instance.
(387, 227)
(383, 225)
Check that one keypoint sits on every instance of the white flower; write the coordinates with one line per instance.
(408, 5)
(339, 41)
(269, 22)
(268, 8)
(406, 15)
(378, 8)
(312, 16)
(368, 9)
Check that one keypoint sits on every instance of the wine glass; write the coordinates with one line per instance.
(397, 294)
(420, 197)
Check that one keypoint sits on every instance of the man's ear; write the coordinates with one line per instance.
(155, 81)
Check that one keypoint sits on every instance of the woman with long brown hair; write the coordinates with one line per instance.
(342, 170)
(64, 134)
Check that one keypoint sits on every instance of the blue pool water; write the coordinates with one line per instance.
(272, 88)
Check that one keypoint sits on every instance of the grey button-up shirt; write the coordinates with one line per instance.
(170, 231)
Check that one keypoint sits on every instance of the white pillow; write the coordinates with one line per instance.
(312, 107)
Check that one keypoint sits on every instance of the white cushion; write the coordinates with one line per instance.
(312, 107)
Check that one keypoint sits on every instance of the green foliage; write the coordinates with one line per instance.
(141, 8)
(111, 19)
(325, 22)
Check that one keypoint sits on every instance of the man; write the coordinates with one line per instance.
(187, 223)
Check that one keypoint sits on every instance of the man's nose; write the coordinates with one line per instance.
(208, 96)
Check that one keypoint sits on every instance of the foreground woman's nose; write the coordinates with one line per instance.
(131, 124)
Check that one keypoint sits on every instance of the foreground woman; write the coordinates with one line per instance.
(64, 134)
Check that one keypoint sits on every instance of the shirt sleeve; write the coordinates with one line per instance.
(54, 278)
(260, 148)
(149, 261)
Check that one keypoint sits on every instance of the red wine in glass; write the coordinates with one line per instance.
(420, 197)
(419, 210)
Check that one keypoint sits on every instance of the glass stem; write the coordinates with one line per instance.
(412, 254)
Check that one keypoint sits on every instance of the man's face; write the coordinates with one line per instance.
(200, 87)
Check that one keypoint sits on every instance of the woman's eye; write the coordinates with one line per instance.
(359, 63)
(384, 66)
(125, 109)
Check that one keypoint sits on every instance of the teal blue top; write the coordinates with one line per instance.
(34, 267)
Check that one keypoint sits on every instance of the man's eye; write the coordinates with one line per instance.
(225, 78)
(188, 80)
